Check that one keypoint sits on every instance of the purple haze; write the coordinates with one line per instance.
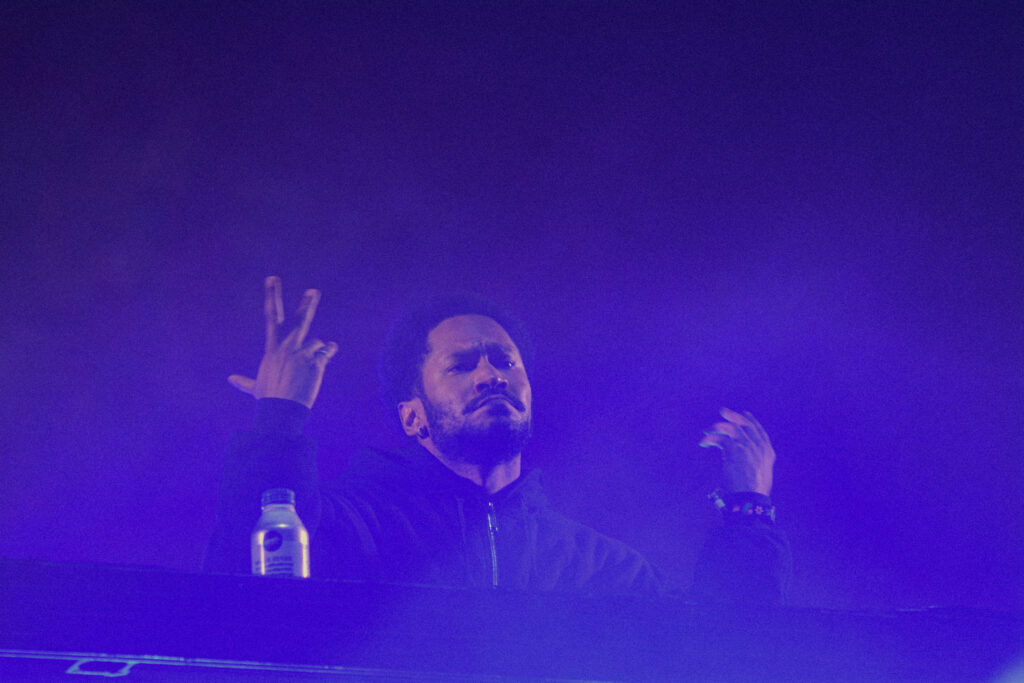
(813, 212)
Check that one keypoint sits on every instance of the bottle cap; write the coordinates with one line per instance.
(277, 496)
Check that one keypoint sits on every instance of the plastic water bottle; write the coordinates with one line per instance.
(280, 543)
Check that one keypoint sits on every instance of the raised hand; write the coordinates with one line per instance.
(292, 366)
(747, 455)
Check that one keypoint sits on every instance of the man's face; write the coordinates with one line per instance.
(477, 396)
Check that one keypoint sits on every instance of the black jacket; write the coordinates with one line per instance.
(405, 517)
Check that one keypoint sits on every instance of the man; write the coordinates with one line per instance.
(457, 507)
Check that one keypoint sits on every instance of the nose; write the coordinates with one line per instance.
(489, 378)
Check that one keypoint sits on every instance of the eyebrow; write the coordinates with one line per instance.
(488, 348)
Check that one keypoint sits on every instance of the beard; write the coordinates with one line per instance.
(494, 443)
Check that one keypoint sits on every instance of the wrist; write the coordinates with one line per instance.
(743, 505)
(280, 416)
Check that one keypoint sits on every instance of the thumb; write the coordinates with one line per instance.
(246, 384)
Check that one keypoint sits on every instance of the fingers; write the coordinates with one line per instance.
(307, 309)
(292, 367)
(745, 421)
(725, 429)
(738, 427)
(711, 441)
(747, 455)
(273, 310)
(757, 425)
(326, 353)
(319, 352)
(246, 384)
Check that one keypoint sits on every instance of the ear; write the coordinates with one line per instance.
(413, 416)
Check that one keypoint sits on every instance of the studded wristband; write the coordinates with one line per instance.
(736, 506)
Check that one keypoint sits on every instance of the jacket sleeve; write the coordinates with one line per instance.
(747, 560)
(273, 453)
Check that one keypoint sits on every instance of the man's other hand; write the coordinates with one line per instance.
(747, 455)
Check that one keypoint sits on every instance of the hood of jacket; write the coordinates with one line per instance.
(415, 471)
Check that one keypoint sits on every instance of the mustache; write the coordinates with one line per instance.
(479, 400)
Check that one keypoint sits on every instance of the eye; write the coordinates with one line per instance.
(464, 366)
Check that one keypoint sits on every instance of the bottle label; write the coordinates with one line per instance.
(280, 544)
(273, 555)
(282, 564)
(272, 541)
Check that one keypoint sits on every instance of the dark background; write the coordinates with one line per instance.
(809, 210)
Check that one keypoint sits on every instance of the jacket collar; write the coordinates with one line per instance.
(414, 469)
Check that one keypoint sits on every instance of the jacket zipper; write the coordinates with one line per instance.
(492, 531)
